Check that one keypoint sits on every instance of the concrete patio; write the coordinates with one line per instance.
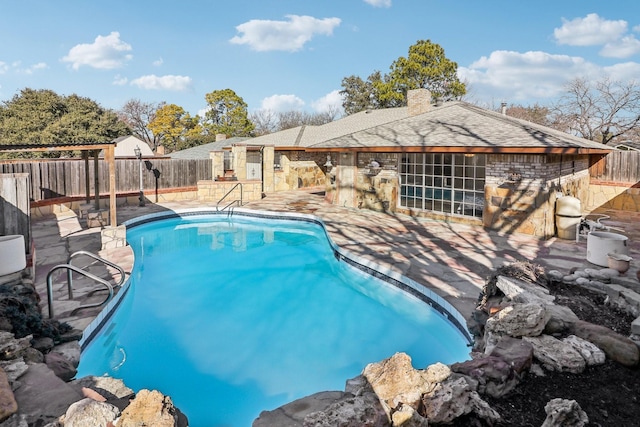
(453, 260)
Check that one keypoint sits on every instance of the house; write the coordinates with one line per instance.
(451, 161)
(126, 146)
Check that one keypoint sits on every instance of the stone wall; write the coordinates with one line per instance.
(521, 190)
(213, 191)
(616, 196)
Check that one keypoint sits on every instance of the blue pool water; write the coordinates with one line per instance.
(232, 317)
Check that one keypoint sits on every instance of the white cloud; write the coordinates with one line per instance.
(330, 102)
(168, 82)
(291, 35)
(282, 103)
(516, 76)
(158, 62)
(120, 81)
(36, 67)
(589, 31)
(106, 52)
(623, 48)
(3, 67)
(627, 71)
(379, 3)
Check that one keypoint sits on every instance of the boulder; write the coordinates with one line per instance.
(517, 320)
(523, 292)
(88, 412)
(455, 397)
(556, 355)
(11, 347)
(495, 377)
(43, 397)
(14, 369)
(591, 354)
(565, 413)
(617, 347)
(110, 388)
(350, 411)
(516, 352)
(560, 319)
(293, 414)
(42, 344)
(406, 416)
(70, 351)
(150, 408)
(395, 381)
(61, 366)
(8, 404)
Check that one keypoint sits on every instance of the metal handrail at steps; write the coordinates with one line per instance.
(72, 268)
(230, 204)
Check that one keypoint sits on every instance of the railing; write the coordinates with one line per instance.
(72, 268)
(230, 204)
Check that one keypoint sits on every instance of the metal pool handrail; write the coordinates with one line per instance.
(233, 201)
(72, 268)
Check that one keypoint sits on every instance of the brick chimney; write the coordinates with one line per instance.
(418, 101)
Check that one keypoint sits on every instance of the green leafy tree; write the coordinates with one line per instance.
(426, 66)
(227, 114)
(44, 117)
(173, 125)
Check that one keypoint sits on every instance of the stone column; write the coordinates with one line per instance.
(240, 161)
(217, 164)
(268, 172)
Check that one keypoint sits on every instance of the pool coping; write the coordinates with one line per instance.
(444, 308)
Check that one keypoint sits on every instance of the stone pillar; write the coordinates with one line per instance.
(217, 164)
(268, 171)
(240, 161)
(345, 180)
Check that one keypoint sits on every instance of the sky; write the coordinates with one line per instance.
(283, 55)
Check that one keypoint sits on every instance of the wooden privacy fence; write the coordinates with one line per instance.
(619, 167)
(65, 178)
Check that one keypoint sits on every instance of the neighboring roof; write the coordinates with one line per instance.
(202, 151)
(126, 145)
(304, 136)
(628, 145)
(459, 126)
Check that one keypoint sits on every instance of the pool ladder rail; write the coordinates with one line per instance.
(229, 206)
(70, 268)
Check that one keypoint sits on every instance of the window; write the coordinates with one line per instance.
(228, 160)
(443, 182)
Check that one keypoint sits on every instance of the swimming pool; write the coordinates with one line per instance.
(234, 315)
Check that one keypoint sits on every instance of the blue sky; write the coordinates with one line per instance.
(293, 54)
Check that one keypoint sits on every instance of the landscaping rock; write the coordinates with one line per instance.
(591, 354)
(69, 351)
(88, 412)
(350, 411)
(516, 352)
(61, 366)
(110, 388)
(11, 347)
(556, 355)
(495, 377)
(565, 413)
(517, 320)
(293, 414)
(395, 381)
(8, 404)
(454, 398)
(617, 347)
(150, 408)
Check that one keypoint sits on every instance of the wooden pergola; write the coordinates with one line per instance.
(86, 148)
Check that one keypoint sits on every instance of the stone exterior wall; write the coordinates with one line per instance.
(213, 191)
(616, 196)
(300, 170)
(521, 190)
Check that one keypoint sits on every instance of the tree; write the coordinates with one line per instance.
(44, 117)
(138, 115)
(426, 66)
(173, 126)
(227, 114)
(267, 121)
(536, 114)
(603, 110)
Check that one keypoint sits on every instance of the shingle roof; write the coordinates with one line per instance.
(458, 124)
(304, 136)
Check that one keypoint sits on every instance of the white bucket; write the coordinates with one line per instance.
(12, 254)
(601, 243)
